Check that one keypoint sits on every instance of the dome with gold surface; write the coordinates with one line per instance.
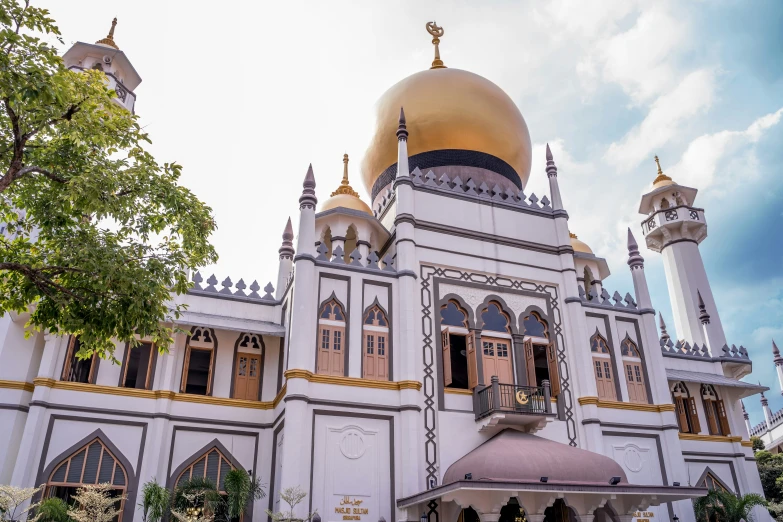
(578, 245)
(455, 119)
(345, 196)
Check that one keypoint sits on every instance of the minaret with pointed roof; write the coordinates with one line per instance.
(778, 360)
(674, 227)
(106, 56)
(286, 259)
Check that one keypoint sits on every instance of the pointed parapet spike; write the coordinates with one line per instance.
(618, 299)
(445, 182)
(743, 352)
(372, 260)
(510, 196)
(521, 198)
(240, 286)
(704, 351)
(212, 281)
(254, 288)
(605, 297)
(582, 294)
(471, 187)
(416, 175)
(197, 279)
(593, 294)
(725, 351)
(669, 343)
(227, 284)
(497, 193)
(484, 190)
(533, 199)
(269, 289)
(355, 257)
(545, 201)
(430, 179)
(457, 185)
(629, 301)
(733, 350)
(322, 251)
(387, 263)
(338, 256)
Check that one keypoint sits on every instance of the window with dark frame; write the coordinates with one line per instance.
(138, 367)
(198, 373)
(76, 369)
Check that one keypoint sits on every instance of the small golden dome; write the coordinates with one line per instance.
(345, 196)
(662, 180)
(448, 109)
(109, 40)
(578, 245)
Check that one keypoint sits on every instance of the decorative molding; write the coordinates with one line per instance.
(160, 394)
(457, 391)
(712, 438)
(352, 381)
(584, 401)
(746, 443)
(17, 385)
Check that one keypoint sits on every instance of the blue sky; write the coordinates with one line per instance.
(246, 99)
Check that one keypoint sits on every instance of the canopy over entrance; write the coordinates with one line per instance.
(537, 472)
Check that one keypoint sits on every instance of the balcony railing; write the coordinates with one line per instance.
(510, 398)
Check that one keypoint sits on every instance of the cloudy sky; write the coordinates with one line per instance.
(246, 94)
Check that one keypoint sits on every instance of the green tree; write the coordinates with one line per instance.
(52, 509)
(154, 501)
(240, 488)
(758, 444)
(291, 496)
(98, 233)
(724, 506)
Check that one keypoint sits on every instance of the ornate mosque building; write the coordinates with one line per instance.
(445, 352)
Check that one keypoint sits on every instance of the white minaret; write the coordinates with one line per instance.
(778, 360)
(746, 417)
(104, 55)
(286, 260)
(554, 187)
(767, 411)
(674, 227)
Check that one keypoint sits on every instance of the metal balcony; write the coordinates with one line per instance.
(527, 407)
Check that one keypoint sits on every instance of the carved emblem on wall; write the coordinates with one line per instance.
(352, 445)
(633, 459)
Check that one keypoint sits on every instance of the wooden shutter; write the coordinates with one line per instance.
(253, 377)
(554, 375)
(693, 415)
(682, 414)
(470, 342)
(338, 352)
(369, 366)
(240, 378)
(381, 347)
(724, 421)
(712, 422)
(324, 343)
(530, 362)
(446, 351)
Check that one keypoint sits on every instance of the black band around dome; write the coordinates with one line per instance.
(446, 157)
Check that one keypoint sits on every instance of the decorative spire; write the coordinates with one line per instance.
(436, 33)
(664, 334)
(109, 40)
(402, 129)
(661, 175)
(704, 317)
(551, 169)
(287, 248)
(764, 400)
(776, 354)
(635, 260)
(308, 199)
(345, 186)
(744, 413)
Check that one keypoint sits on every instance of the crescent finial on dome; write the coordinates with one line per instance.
(436, 33)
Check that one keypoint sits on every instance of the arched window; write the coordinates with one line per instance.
(213, 465)
(97, 67)
(248, 367)
(331, 338)
(496, 351)
(458, 348)
(687, 414)
(588, 275)
(664, 203)
(452, 314)
(540, 354)
(495, 318)
(602, 367)
(717, 422)
(712, 483)
(92, 464)
(375, 363)
(199, 361)
(634, 374)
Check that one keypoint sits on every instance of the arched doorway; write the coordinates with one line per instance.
(512, 512)
(559, 512)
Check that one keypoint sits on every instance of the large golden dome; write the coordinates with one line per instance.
(450, 110)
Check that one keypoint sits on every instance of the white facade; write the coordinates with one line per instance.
(366, 449)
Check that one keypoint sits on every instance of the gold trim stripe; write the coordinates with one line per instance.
(17, 385)
(712, 438)
(584, 401)
(746, 443)
(457, 391)
(160, 394)
(352, 381)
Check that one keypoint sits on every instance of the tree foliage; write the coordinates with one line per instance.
(52, 509)
(240, 488)
(98, 233)
(12, 500)
(95, 503)
(770, 466)
(292, 496)
(725, 506)
(154, 501)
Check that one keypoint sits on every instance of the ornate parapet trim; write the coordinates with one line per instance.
(713, 438)
(352, 381)
(659, 408)
(17, 385)
(160, 394)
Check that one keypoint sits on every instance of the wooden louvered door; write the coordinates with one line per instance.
(470, 343)
(635, 380)
(723, 420)
(681, 404)
(247, 377)
(554, 373)
(693, 416)
(496, 360)
(324, 349)
(530, 362)
(604, 380)
(330, 350)
(445, 345)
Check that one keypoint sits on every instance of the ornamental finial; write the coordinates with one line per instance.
(436, 33)
(345, 186)
(661, 176)
(109, 40)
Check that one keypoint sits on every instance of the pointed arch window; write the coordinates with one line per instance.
(540, 353)
(213, 465)
(715, 411)
(458, 348)
(199, 361)
(91, 464)
(603, 368)
(496, 351)
(712, 483)
(375, 334)
(331, 339)
(634, 371)
(685, 406)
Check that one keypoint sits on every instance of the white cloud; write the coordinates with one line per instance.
(706, 154)
(693, 95)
